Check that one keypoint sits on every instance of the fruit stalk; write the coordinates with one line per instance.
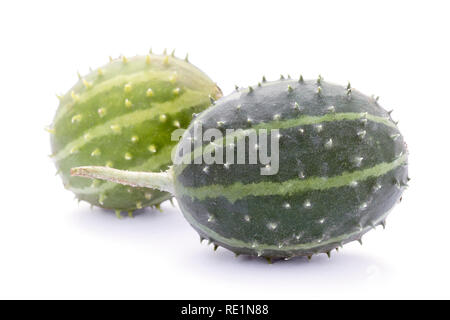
(162, 181)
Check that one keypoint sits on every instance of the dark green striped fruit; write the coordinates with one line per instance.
(122, 115)
(342, 167)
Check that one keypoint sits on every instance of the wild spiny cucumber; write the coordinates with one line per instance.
(122, 115)
(342, 167)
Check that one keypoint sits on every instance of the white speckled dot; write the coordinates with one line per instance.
(77, 118)
(361, 134)
(358, 161)
(96, 153)
(149, 92)
(152, 148)
(272, 225)
(127, 88)
(376, 187)
(162, 118)
(101, 112)
(128, 103)
(116, 128)
(286, 205)
(329, 144)
(128, 156)
(247, 218)
(307, 204)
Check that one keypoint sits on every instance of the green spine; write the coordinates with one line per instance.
(122, 115)
(343, 166)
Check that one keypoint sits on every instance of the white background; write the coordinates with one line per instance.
(52, 248)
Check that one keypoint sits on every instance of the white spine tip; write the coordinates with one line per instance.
(128, 156)
(163, 118)
(149, 92)
(128, 103)
(152, 148)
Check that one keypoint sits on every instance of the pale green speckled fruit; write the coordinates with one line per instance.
(122, 115)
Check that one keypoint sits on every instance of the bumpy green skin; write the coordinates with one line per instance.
(122, 115)
(325, 193)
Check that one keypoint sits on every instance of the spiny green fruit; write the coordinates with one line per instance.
(122, 115)
(342, 167)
